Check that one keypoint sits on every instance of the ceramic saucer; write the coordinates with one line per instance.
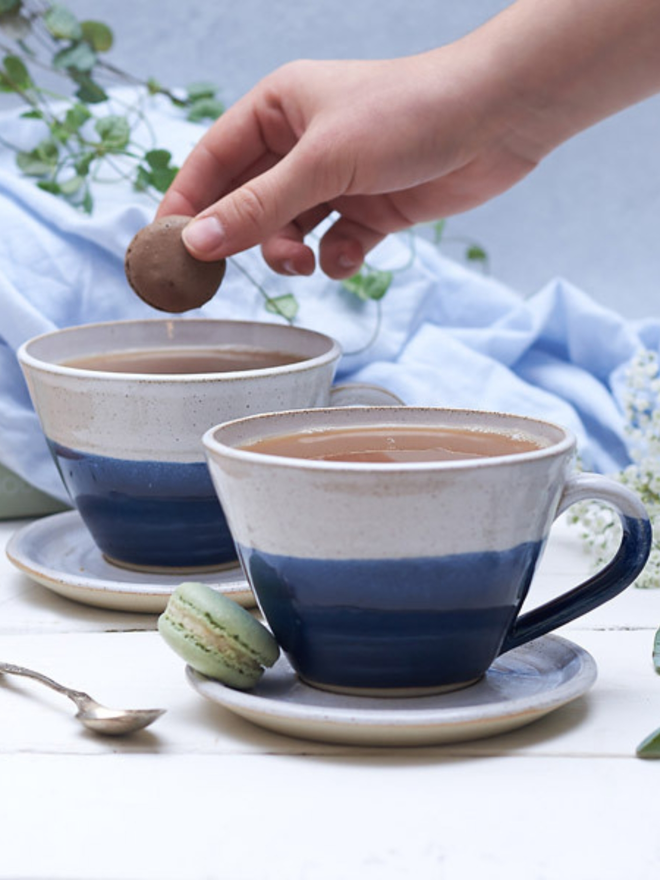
(58, 552)
(521, 686)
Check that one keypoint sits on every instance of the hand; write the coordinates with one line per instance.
(383, 144)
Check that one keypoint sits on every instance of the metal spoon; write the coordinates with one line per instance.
(93, 715)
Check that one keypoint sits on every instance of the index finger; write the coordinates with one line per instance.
(231, 146)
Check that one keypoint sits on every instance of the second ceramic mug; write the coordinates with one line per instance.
(128, 444)
(395, 576)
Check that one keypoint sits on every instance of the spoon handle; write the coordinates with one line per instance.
(79, 697)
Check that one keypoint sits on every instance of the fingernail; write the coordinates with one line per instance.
(204, 235)
(288, 267)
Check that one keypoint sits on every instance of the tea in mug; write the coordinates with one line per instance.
(395, 444)
(191, 360)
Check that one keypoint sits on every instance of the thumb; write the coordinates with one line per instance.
(258, 208)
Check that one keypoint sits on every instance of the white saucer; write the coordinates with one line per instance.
(521, 686)
(58, 552)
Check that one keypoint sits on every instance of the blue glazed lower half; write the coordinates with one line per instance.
(392, 623)
(147, 513)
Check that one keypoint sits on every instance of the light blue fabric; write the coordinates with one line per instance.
(446, 335)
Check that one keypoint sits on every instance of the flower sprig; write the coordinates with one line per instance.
(599, 526)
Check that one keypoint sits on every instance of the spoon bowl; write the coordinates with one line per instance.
(115, 722)
(92, 714)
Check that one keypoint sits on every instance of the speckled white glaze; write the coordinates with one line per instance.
(355, 511)
(58, 552)
(162, 418)
(128, 445)
(520, 688)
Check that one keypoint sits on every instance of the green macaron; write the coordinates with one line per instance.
(216, 636)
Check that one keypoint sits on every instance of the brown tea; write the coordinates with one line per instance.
(395, 444)
(184, 360)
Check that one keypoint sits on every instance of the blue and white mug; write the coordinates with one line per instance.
(128, 445)
(408, 578)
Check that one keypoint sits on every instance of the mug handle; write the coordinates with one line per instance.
(611, 580)
(362, 394)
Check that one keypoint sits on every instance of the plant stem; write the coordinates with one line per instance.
(375, 332)
(272, 303)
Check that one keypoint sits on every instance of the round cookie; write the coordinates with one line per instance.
(216, 636)
(162, 272)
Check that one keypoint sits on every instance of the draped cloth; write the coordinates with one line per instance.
(444, 334)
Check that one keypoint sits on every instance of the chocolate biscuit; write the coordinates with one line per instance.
(162, 272)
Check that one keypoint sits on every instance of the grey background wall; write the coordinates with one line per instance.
(590, 212)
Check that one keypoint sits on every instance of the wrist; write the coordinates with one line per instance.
(560, 66)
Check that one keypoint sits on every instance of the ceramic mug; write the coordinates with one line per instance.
(128, 444)
(408, 578)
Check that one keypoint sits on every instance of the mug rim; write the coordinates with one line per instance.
(214, 447)
(28, 359)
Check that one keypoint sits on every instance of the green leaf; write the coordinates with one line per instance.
(17, 72)
(159, 174)
(114, 132)
(198, 90)
(97, 34)
(62, 24)
(153, 86)
(158, 159)
(80, 57)
(42, 160)
(83, 163)
(87, 203)
(32, 165)
(48, 151)
(373, 284)
(656, 652)
(161, 178)
(476, 254)
(49, 186)
(649, 747)
(285, 305)
(438, 230)
(88, 92)
(32, 114)
(71, 186)
(9, 6)
(142, 180)
(76, 117)
(59, 132)
(205, 108)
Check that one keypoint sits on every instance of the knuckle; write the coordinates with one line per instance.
(294, 70)
(250, 207)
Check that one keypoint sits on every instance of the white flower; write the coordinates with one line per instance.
(599, 526)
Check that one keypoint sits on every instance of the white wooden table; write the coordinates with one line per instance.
(203, 794)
